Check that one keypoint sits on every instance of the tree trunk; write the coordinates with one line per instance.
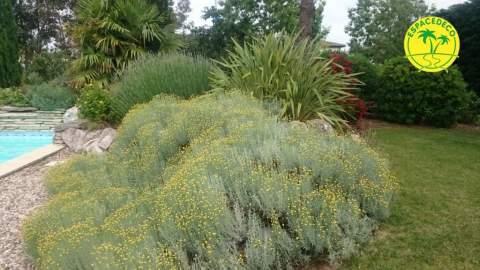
(307, 12)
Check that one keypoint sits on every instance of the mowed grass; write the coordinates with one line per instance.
(435, 221)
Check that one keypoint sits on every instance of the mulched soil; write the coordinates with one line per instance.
(20, 194)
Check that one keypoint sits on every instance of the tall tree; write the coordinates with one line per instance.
(319, 30)
(242, 19)
(377, 27)
(113, 33)
(466, 17)
(166, 11)
(182, 9)
(307, 13)
(10, 70)
(42, 24)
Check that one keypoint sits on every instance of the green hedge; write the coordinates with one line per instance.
(215, 182)
(409, 96)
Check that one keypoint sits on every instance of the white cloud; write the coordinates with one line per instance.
(198, 6)
(335, 15)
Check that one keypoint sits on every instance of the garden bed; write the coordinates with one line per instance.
(211, 182)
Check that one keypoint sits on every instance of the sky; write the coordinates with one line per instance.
(335, 15)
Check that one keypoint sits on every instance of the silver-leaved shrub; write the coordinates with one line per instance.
(215, 182)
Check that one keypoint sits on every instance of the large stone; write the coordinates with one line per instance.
(71, 115)
(65, 126)
(106, 138)
(79, 140)
(320, 125)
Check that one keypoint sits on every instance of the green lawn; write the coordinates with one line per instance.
(435, 221)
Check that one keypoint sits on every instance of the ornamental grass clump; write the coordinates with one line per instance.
(292, 72)
(215, 182)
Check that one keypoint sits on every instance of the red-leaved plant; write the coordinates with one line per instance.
(358, 106)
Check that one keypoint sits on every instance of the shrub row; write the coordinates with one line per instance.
(215, 182)
(398, 92)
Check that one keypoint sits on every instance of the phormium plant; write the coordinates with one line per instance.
(282, 68)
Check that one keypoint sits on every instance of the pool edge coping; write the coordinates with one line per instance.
(34, 156)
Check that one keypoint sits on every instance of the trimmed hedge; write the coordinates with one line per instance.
(409, 96)
(215, 182)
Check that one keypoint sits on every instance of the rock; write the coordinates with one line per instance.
(71, 115)
(79, 140)
(76, 124)
(18, 109)
(107, 137)
(74, 138)
(320, 125)
(298, 124)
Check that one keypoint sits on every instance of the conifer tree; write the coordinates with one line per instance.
(10, 70)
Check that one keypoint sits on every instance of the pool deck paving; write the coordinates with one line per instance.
(21, 193)
(11, 166)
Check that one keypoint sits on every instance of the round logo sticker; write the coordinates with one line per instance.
(432, 44)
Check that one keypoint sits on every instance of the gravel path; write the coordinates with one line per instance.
(20, 194)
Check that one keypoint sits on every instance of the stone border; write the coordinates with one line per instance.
(29, 158)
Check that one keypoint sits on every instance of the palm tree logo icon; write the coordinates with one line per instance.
(432, 44)
(429, 35)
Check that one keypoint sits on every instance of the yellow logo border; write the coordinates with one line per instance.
(411, 34)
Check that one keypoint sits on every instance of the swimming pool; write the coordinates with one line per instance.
(17, 143)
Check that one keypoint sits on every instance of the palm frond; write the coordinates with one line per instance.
(111, 34)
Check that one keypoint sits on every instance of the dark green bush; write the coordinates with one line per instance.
(95, 104)
(472, 113)
(176, 74)
(46, 66)
(213, 182)
(33, 78)
(369, 75)
(13, 97)
(50, 96)
(407, 95)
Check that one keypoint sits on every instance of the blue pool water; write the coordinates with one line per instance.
(16, 143)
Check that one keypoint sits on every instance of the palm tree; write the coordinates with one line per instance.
(442, 40)
(428, 35)
(112, 33)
